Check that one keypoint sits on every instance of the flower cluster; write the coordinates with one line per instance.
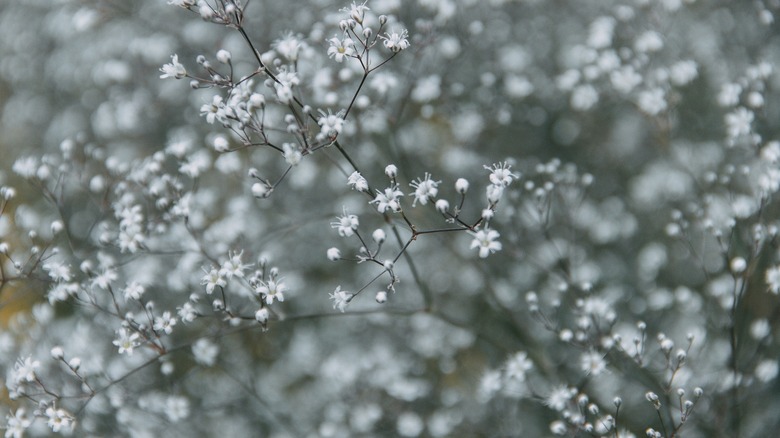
(175, 254)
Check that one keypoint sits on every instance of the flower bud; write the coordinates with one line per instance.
(57, 353)
(462, 185)
(378, 235)
(223, 56)
(262, 315)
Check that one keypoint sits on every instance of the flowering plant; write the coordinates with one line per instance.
(429, 218)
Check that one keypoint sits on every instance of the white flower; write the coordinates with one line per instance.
(442, 206)
(340, 48)
(174, 69)
(272, 289)
(340, 298)
(738, 122)
(62, 291)
(517, 365)
(357, 182)
(58, 271)
(292, 154)
(462, 185)
(652, 102)
(396, 41)
(261, 190)
(729, 94)
(205, 352)
(24, 370)
(489, 385)
(347, 224)
(233, 266)
(212, 279)
(26, 167)
(165, 323)
(425, 189)
(356, 11)
(214, 111)
(558, 427)
(500, 174)
(288, 46)
(330, 124)
(485, 240)
(334, 254)
(133, 291)
(772, 278)
(17, 423)
(223, 56)
(494, 193)
(650, 41)
(126, 341)
(559, 397)
(187, 312)
(262, 315)
(177, 408)
(104, 279)
(197, 164)
(389, 199)
(593, 363)
(58, 419)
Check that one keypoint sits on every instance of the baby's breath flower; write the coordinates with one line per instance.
(223, 56)
(425, 189)
(262, 315)
(501, 175)
(233, 266)
(292, 154)
(772, 278)
(205, 352)
(333, 254)
(173, 70)
(593, 363)
(357, 182)
(346, 224)
(133, 291)
(24, 370)
(340, 298)
(165, 323)
(214, 111)
(396, 41)
(341, 48)
(212, 279)
(517, 365)
(559, 397)
(17, 423)
(388, 200)
(330, 124)
(126, 341)
(485, 240)
(58, 419)
(356, 11)
(272, 289)
(187, 312)
(462, 185)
